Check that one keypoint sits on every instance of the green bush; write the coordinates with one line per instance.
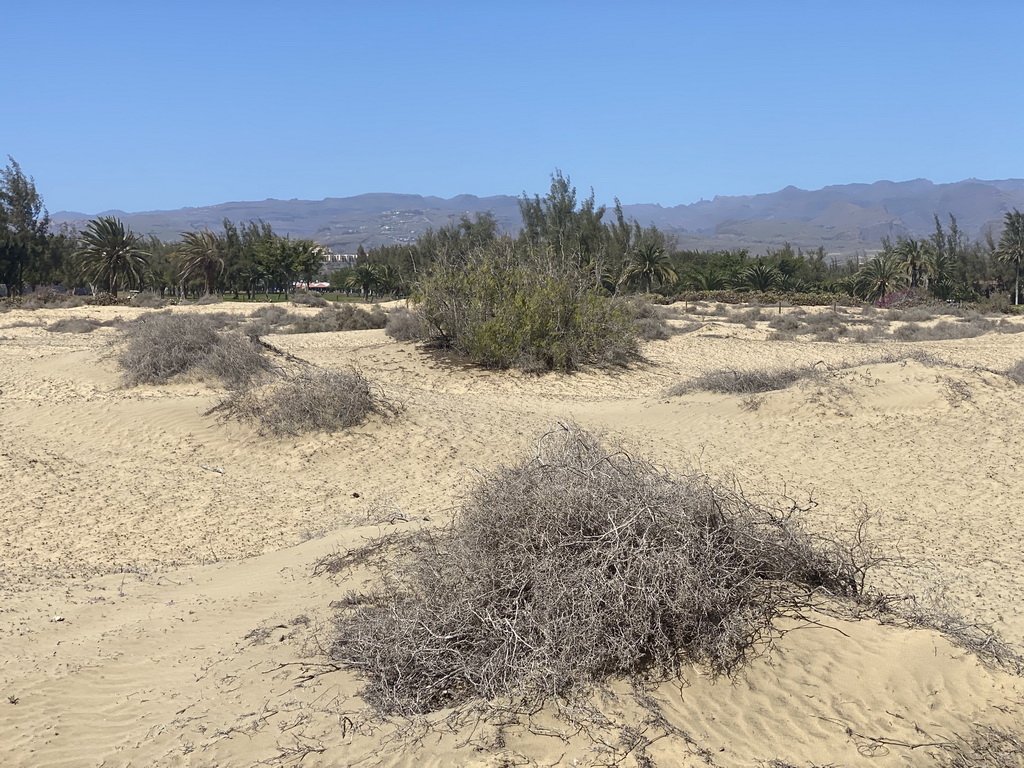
(502, 313)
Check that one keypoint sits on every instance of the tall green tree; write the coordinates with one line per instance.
(648, 265)
(111, 255)
(200, 256)
(24, 226)
(880, 276)
(914, 255)
(1011, 247)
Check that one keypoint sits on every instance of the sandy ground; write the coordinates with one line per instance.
(157, 612)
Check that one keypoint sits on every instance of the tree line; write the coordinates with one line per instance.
(106, 256)
(615, 253)
(619, 256)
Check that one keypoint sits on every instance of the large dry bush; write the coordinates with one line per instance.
(346, 317)
(163, 345)
(312, 400)
(308, 299)
(575, 565)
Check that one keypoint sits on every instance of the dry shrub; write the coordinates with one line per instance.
(209, 298)
(149, 300)
(406, 324)
(347, 317)
(74, 325)
(315, 400)
(268, 319)
(164, 345)
(307, 299)
(733, 382)
(71, 302)
(944, 329)
(576, 565)
(1016, 372)
(985, 747)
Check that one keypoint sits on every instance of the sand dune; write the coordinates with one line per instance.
(158, 612)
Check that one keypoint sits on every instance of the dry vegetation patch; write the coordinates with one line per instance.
(161, 346)
(313, 400)
(579, 564)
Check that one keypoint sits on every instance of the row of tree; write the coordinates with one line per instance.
(614, 253)
(107, 256)
(619, 255)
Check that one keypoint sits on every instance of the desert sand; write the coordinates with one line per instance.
(160, 606)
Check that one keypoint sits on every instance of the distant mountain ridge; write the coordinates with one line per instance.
(843, 219)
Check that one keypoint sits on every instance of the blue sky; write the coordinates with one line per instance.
(151, 105)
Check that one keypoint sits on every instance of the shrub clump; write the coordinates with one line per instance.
(164, 345)
(502, 312)
(315, 400)
(74, 325)
(406, 324)
(579, 564)
(307, 299)
(148, 299)
(732, 382)
(347, 317)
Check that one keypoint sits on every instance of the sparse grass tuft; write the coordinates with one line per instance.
(1016, 372)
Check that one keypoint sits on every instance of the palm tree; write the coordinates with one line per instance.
(648, 264)
(388, 280)
(708, 279)
(914, 256)
(760, 276)
(363, 277)
(109, 254)
(880, 276)
(1011, 247)
(200, 255)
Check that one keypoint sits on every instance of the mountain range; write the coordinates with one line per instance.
(844, 219)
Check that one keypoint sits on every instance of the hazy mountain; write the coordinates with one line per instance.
(843, 218)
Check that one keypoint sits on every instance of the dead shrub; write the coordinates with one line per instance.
(985, 747)
(733, 382)
(406, 325)
(71, 302)
(74, 325)
(1016, 372)
(209, 298)
(148, 299)
(308, 299)
(944, 329)
(346, 317)
(315, 400)
(576, 565)
(164, 345)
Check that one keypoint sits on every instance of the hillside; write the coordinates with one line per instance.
(843, 219)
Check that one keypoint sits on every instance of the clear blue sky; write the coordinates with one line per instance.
(149, 105)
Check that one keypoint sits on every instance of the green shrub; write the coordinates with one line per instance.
(502, 313)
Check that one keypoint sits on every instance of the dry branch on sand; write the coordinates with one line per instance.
(576, 565)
